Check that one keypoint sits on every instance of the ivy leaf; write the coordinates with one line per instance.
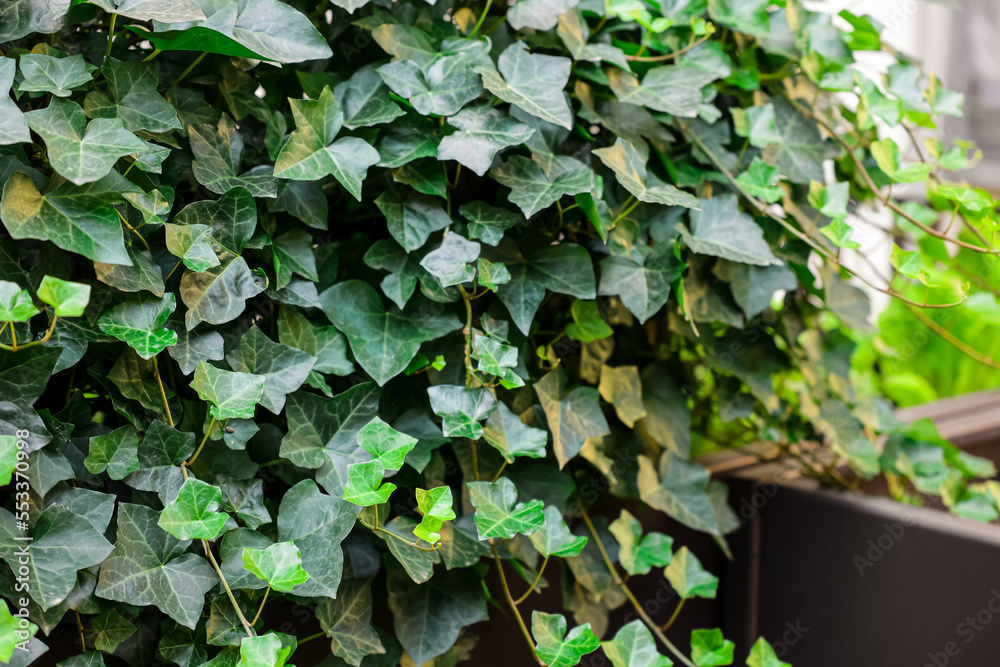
(497, 359)
(319, 428)
(762, 655)
(801, 150)
(533, 190)
(588, 325)
(218, 151)
(411, 217)
(283, 368)
(757, 124)
(538, 14)
(555, 646)
(149, 567)
(62, 543)
(710, 649)
(232, 218)
(622, 388)
(347, 622)
(573, 418)
(194, 515)
(279, 564)
(270, 650)
(673, 89)
(488, 223)
(163, 445)
(139, 322)
(497, 515)
(441, 86)
(13, 129)
(153, 10)
(680, 489)
(293, 253)
(364, 484)
(231, 394)
(450, 262)
(116, 452)
(134, 99)
(385, 444)
(365, 100)
(265, 30)
(194, 347)
(219, 294)
(111, 629)
(634, 646)
(326, 344)
(384, 341)
(630, 170)
(689, 578)
(482, 132)
(638, 554)
(512, 437)
(317, 524)
(428, 617)
(565, 268)
(720, 229)
(48, 74)
(68, 299)
(461, 409)
(761, 180)
(16, 304)
(555, 538)
(889, 159)
(9, 638)
(311, 152)
(839, 232)
(8, 458)
(192, 244)
(436, 507)
(143, 275)
(531, 82)
(81, 152)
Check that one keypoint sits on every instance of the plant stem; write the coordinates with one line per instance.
(208, 430)
(189, 68)
(261, 607)
(482, 17)
(79, 627)
(628, 593)
(225, 584)
(311, 637)
(668, 56)
(534, 583)
(673, 617)
(111, 35)
(152, 55)
(172, 270)
(625, 212)
(379, 529)
(956, 342)
(513, 605)
(13, 347)
(163, 391)
(500, 471)
(133, 230)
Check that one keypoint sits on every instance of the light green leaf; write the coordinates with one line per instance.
(761, 180)
(279, 564)
(364, 484)
(710, 649)
(68, 299)
(385, 444)
(117, 452)
(436, 507)
(13, 129)
(531, 82)
(219, 295)
(555, 539)
(498, 514)
(49, 74)
(572, 418)
(555, 646)
(588, 325)
(139, 322)
(16, 304)
(533, 190)
(231, 394)
(720, 229)
(762, 655)
(638, 554)
(634, 646)
(270, 650)
(757, 124)
(8, 458)
(491, 274)
(887, 155)
(839, 232)
(689, 578)
(192, 243)
(538, 14)
(283, 368)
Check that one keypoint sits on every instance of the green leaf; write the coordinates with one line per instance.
(283, 368)
(293, 254)
(630, 170)
(572, 418)
(194, 347)
(117, 452)
(555, 646)
(325, 343)
(555, 538)
(488, 223)
(461, 409)
(62, 543)
(801, 151)
(68, 299)
(383, 341)
(232, 218)
(81, 152)
(219, 294)
(887, 155)
(364, 484)
(231, 394)
(634, 646)
(317, 524)
(643, 283)
(710, 649)
(194, 514)
(280, 565)
(48, 74)
(588, 325)
(688, 578)
(829, 200)
(365, 100)
(451, 262)
(192, 243)
(512, 437)
(411, 217)
(133, 98)
(533, 190)
(9, 627)
(762, 655)
(347, 622)
(538, 14)
(672, 89)
(13, 128)
(311, 152)
(839, 233)
(565, 268)
(321, 430)
(143, 275)
(218, 151)
(139, 322)
(761, 180)
(150, 567)
(263, 30)
(720, 229)
(111, 629)
(757, 124)
(531, 82)
(680, 489)
(16, 304)
(270, 650)
(497, 515)
(638, 554)
(441, 86)
(153, 10)
(78, 219)
(385, 444)
(436, 507)
(8, 458)
(482, 132)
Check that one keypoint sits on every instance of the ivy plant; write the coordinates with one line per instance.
(378, 308)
